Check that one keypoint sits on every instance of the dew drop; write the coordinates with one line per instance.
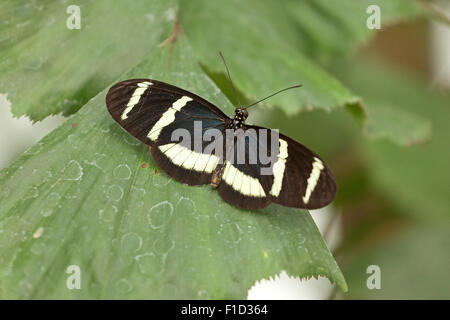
(122, 171)
(186, 206)
(149, 264)
(114, 193)
(46, 212)
(124, 286)
(72, 171)
(160, 214)
(163, 245)
(53, 199)
(131, 242)
(108, 213)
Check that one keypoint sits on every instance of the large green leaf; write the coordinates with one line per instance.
(330, 29)
(400, 126)
(90, 195)
(267, 55)
(279, 47)
(413, 177)
(413, 265)
(46, 68)
(390, 112)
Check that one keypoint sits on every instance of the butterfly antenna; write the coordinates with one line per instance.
(293, 87)
(229, 78)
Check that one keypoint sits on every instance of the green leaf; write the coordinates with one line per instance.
(90, 195)
(388, 108)
(47, 68)
(37, 45)
(411, 177)
(400, 126)
(334, 29)
(387, 118)
(413, 265)
(266, 58)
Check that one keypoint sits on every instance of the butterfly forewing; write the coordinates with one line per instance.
(151, 111)
(145, 107)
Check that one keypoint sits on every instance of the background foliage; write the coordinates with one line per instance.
(89, 194)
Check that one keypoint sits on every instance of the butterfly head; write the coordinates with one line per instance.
(240, 115)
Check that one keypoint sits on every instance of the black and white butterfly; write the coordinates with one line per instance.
(152, 110)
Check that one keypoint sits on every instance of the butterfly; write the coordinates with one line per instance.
(158, 114)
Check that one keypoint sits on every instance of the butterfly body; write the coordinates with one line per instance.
(238, 121)
(250, 168)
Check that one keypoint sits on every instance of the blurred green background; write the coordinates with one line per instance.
(375, 104)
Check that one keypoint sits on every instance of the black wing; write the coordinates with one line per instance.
(242, 183)
(296, 176)
(307, 180)
(152, 111)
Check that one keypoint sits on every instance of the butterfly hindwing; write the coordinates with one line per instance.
(297, 177)
(242, 182)
(308, 182)
(301, 179)
(242, 190)
(178, 172)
